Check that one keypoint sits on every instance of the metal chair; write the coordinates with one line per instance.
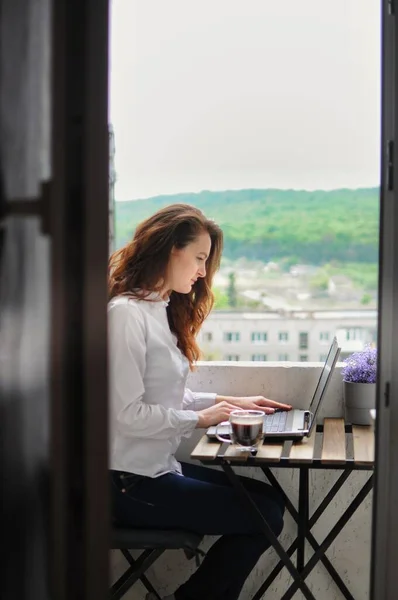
(153, 542)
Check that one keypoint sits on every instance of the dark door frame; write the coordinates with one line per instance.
(384, 572)
(79, 229)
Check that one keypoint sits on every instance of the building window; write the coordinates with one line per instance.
(283, 357)
(283, 336)
(207, 336)
(231, 336)
(324, 336)
(303, 341)
(259, 357)
(355, 334)
(303, 357)
(231, 357)
(259, 337)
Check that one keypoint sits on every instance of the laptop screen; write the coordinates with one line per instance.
(324, 379)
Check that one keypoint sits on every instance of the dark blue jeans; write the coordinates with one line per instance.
(205, 502)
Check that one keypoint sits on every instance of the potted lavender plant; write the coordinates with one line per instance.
(359, 380)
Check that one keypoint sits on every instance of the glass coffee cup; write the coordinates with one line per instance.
(245, 429)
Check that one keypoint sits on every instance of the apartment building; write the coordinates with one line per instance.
(285, 336)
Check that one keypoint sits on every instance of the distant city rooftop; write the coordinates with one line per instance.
(296, 314)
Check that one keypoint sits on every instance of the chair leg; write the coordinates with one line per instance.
(144, 579)
(133, 573)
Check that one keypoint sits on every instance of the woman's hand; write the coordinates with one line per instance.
(254, 403)
(215, 414)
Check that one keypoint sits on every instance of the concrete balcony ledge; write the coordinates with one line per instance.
(291, 382)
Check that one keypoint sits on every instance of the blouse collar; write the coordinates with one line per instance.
(155, 297)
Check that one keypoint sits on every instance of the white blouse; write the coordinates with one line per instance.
(150, 407)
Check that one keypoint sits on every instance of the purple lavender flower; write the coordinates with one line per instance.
(361, 367)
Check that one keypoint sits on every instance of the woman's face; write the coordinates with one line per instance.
(187, 264)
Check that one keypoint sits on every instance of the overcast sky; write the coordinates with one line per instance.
(233, 94)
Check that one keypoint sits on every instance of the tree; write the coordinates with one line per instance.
(231, 291)
(220, 299)
(366, 299)
(320, 281)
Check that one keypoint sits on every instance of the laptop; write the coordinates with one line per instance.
(296, 423)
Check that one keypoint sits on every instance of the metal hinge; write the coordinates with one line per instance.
(391, 7)
(387, 394)
(31, 207)
(390, 166)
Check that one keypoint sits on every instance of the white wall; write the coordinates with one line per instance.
(350, 553)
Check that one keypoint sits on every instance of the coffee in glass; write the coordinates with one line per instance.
(246, 429)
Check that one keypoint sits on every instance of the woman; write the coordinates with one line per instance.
(160, 294)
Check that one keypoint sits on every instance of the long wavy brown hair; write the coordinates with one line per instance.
(140, 266)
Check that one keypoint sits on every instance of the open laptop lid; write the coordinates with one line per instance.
(323, 382)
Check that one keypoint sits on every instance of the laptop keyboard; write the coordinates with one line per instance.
(276, 422)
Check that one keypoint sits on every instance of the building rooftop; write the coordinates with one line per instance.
(295, 314)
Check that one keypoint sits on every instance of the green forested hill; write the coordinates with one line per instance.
(311, 227)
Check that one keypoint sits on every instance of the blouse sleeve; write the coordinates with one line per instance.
(198, 400)
(127, 362)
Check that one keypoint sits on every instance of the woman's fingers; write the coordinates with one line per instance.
(225, 409)
(251, 403)
(254, 406)
(274, 404)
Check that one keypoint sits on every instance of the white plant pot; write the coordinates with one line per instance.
(359, 398)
